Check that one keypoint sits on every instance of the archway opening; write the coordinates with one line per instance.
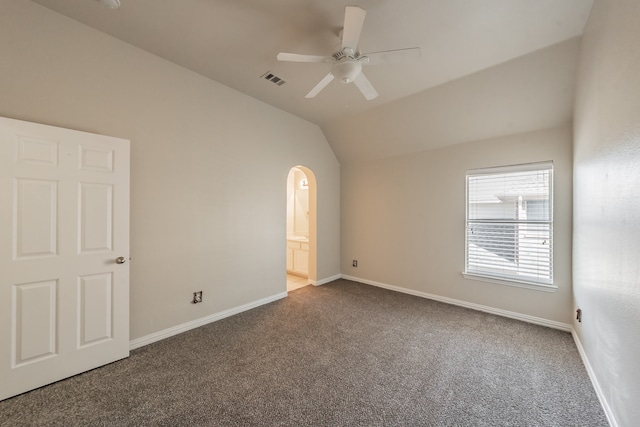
(301, 228)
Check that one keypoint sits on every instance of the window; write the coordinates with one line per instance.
(509, 224)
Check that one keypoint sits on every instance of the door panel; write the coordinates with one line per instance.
(37, 151)
(95, 308)
(34, 334)
(64, 219)
(95, 202)
(35, 218)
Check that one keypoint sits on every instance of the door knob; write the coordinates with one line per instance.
(121, 260)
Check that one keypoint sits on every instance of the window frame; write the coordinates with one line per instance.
(543, 285)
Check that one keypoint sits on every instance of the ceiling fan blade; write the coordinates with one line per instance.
(365, 87)
(353, 22)
(323, 83)
(294, 57)
(393, 56)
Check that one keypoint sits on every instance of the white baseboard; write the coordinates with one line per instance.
(325, 280)
(511, 314)
(594, 380)
(178, 329)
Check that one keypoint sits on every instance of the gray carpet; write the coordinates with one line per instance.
(342, 354)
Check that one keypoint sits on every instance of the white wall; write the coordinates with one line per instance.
(209, 164)
(606, 244)
(403, 219)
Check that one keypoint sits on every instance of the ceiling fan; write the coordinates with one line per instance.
(348, 61)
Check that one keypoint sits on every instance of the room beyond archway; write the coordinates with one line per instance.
(301, 228)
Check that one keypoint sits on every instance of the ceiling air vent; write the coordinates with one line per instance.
(273, 78)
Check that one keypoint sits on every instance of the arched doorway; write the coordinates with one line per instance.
(301, 228)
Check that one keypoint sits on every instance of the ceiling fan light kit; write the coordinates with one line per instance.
(346, 71)
(348, 62)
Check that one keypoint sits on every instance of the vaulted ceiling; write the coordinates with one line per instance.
(486, 67)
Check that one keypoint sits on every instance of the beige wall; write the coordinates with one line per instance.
(403, 219)
(209, 164)
(606, 246)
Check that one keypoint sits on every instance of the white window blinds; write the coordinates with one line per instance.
(509, 225)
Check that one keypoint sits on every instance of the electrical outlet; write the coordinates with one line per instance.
(355, 263)
(197, 297)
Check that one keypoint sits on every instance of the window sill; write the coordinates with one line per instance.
(526, 285)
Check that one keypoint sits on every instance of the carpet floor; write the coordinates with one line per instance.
(342, 354)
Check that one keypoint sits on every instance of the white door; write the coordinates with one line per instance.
(64, 220)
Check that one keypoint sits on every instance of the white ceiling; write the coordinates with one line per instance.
(236, 41)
